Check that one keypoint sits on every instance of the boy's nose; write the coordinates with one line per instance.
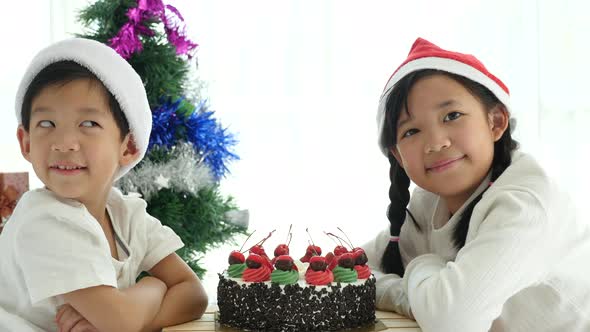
(66, 142)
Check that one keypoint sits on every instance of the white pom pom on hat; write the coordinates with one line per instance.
(115, 73)
(426, 55)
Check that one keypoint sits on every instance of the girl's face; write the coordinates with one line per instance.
(445, 140)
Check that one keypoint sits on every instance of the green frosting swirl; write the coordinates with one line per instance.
(236, 270)
(343, 274)
(284, 277)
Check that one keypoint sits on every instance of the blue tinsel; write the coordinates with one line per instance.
(200, 128)
(165, 122)
(210, 139)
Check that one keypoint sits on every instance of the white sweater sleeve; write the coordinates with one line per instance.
(390, 295)
(502, 258)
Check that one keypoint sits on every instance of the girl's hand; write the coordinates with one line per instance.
(69, 320)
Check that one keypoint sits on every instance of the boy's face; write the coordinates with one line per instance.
(73, 141)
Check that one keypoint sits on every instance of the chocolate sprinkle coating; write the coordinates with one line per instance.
(268, 307)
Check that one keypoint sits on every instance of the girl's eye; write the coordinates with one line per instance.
(409, 133)
(452, 116)
(89, 124)
(45, 124)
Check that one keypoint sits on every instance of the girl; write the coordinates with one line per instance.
(486, 242)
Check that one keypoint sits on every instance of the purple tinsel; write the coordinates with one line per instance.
(127, 41)
(199, 128)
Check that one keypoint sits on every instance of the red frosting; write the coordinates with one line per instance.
(319, 278)
(363, 271)
(257, 275)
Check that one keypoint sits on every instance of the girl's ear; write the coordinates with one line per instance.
(498, 120)
(129, 151)
(24, 140)
(396, 155)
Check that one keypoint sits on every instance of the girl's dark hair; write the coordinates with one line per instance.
(62, 73)
(399, 194)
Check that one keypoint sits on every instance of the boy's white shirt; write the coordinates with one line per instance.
(524, 267)
(52, 246)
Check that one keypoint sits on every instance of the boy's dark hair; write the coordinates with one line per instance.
(399, 194)
(62, 73)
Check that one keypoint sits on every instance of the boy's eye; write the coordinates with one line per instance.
(409, 133)
(45, 124)
(452, 116)
(89, 124)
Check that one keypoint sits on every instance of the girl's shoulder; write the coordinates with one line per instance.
(525, 174)
(527, 191)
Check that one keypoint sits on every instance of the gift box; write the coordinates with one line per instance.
(12, 187)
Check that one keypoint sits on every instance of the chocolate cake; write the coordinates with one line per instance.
(335, 292)
(268, 306)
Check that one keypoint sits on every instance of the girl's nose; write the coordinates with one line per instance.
(437, 142)
(65, 142)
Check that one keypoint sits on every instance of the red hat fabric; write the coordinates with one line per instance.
(426, 55)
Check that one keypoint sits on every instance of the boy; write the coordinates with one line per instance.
(72, 250)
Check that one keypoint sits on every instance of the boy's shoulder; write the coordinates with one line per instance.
(42, 210)
(125, 208)
(44, 201)
(130, 202)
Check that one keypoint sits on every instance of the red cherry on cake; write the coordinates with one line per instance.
(359, 256)
(318, 263)
(236, 257)
(310, 252)
(339, 250)
(333, 263)
(258, 250)
(281, 249)
(329, 257)
(255, 261)
(285, 263)
(346, 260)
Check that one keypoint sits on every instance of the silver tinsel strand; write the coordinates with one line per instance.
(185, 171)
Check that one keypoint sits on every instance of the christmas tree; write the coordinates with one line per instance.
(189, 150)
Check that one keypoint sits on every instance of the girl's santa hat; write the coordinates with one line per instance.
(426, 55)
(115, 73)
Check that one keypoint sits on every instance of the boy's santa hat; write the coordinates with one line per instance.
(115, 73)
(426, 55)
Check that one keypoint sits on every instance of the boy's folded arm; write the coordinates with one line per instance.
(110, 309)
(185, 298)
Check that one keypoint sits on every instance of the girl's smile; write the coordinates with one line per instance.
(444, 164)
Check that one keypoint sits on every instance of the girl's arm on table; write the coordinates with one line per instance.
(185, 299)
(390, 295)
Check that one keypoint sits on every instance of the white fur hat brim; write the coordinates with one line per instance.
(115, 73)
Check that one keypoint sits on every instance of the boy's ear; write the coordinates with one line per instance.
(24, 140)
(396, 155)
(498, 120)
(129, 151)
